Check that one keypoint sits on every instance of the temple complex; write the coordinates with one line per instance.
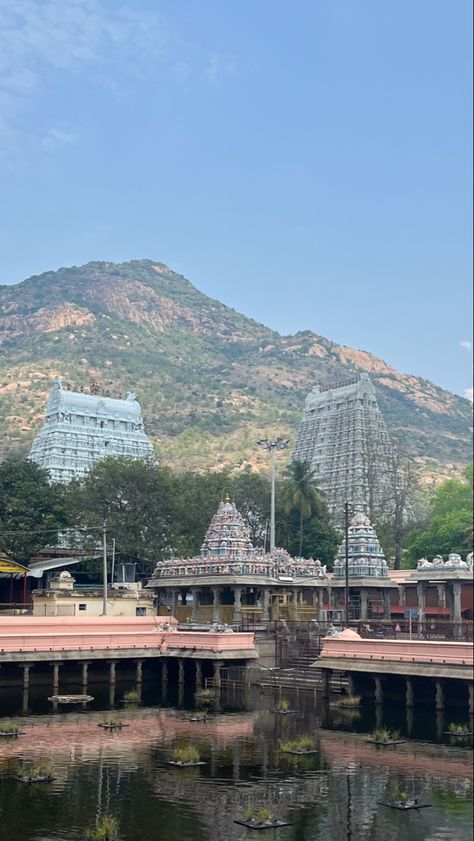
(233, 582)
(230, 580)
(344, 437)
(80, 429)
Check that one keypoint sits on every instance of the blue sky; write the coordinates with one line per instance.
(307, 163)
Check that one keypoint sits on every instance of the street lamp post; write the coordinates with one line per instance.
(273, 445)
(346, 585)
(104, 563)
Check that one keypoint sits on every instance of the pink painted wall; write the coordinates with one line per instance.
(460, 653)
(36, 633)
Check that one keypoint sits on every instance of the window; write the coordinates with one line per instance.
(140, 611)
(82, 607)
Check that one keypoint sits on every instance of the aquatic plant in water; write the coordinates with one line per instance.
(205, 698)
(9, 728)
(299, 745)
(351, 701)
(131, 696)
(106, 829)
(454, 729)
(186, 754)
(385, 734)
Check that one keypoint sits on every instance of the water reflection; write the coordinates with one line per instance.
(331, 794)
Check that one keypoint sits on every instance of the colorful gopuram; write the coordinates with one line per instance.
(231, 579)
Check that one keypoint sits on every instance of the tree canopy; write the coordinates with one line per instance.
(31, 509)
(449, 527)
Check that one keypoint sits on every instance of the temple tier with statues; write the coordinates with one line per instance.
(233, 582)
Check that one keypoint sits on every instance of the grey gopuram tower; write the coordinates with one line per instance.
(344, 437)
(80, 429)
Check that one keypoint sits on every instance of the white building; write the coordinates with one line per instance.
(80, 429)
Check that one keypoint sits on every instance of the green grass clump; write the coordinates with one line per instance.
(41, 769)
(263, 815)
(106, 829)
(205, 698)
(186, 754)
(348, 701)
(113, 721)
(9, 727)
(454, 729)
(131, 696)
(302, 743)
(385, 734)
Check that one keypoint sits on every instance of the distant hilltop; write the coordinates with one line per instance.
(210, 381)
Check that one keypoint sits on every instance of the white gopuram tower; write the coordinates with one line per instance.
(344, 437)
(80, 429)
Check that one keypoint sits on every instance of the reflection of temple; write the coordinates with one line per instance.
(231, 580)
(79, 429)
(343, 435)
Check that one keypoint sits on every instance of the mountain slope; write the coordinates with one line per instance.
(210, 380)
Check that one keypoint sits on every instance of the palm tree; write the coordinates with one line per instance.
(301, 493)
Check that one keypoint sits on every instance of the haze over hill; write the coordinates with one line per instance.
(210, 380)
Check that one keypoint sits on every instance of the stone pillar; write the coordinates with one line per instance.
(139, 671)
(84, 672)
(441, 588)
(421, 600)
(470, 688)
(26, 677)
(363, 603)
(379, 715)
(351, 690)
(217, 673)
(174, 602)
(56, 678)
(409, 692)
(386, 604)
(195, 596)
(439, 695)
(401, 596)
(215, 603)
(112, 665)
(457, 615)
(237, 605)
(326, 682)
(164, 673)
(266, 604)
(198, 675)
(378, 690)
(410, 719)
(180, 671)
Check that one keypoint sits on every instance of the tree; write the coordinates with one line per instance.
(396, 516)
(300, 493)
(31, 509)
(136, 499)
(449, 529)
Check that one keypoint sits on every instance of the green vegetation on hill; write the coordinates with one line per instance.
(210, 380)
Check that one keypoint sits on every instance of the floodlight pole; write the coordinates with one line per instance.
(272, 445)
(346, 586)
(104, 568)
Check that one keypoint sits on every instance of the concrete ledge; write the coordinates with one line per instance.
(105, 655)
(386, 667)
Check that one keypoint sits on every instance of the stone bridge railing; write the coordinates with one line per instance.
(349, 646)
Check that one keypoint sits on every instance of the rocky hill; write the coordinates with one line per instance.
(210, 380)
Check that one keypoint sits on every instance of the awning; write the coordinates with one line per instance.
(37, 569)
(11, 567)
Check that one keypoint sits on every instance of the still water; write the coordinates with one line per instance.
(331, 795)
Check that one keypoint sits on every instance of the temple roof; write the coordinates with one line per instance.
(365, 556)
(77, 402)
(228, 534)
